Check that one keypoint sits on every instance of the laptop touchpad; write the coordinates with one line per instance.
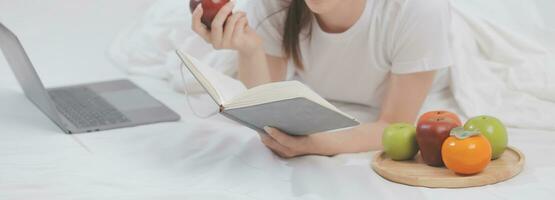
(133, 99)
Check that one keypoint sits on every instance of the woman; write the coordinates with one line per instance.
(381, 53)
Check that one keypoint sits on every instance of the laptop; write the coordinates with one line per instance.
(86, 107)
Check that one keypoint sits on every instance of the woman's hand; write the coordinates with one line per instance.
(228, 31)
(287, 146)
(232, 31)
(364, 137)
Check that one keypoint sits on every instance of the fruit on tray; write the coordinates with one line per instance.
(210, 9)
(399, 141)
(493, 130)
(440, 113)
(430, 135)
(466, 152)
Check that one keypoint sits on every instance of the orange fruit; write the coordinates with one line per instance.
(467, 154)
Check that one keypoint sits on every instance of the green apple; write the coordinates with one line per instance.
(399, 141)
(493, 129)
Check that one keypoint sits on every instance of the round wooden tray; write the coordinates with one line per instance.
(416, 173)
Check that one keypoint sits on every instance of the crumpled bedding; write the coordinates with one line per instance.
(147, 46)
(504, 61)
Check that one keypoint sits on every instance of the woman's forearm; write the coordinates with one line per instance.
(253, 68)
(364, 137)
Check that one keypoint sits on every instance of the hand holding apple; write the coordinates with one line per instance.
(399, 141)
(210, 9)
(225, 30)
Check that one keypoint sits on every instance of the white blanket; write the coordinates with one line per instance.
(503, 66)
(504, 61)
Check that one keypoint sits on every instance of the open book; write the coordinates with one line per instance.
(289, 106)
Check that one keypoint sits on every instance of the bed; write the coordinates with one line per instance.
(194, 158)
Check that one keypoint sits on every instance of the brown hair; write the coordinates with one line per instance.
(298, 17)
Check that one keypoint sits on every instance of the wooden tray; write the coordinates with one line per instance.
(416, 173)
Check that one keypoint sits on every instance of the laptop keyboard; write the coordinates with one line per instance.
(85, 108)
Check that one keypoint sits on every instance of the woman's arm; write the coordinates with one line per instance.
(231, 31)
(402, 102)
(259, 68)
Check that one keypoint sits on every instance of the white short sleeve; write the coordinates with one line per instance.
(420, 37)
(267, 17)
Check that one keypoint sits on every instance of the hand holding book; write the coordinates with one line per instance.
(289, 106)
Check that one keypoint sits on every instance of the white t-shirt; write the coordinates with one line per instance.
(391, 36)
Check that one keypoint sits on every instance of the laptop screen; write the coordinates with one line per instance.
(25, 73)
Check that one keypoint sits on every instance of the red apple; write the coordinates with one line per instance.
(440, 113)
(430, 135)
(210, 9)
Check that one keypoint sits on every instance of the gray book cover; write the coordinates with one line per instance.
(297, 116)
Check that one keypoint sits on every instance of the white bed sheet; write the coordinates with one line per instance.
(191, 159)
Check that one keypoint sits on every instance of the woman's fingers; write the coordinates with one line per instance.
(197, 25)
(277, 148)
(222, 15)
(239, 30)
(230, 27)
(295, 145)
(227, 31)
(283, 139)
(218, 23)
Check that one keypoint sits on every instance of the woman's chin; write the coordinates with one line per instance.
(322, 6)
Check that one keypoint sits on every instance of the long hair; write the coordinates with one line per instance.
(298, 18)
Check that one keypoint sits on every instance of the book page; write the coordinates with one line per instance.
(221, 87)
(278, 91)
